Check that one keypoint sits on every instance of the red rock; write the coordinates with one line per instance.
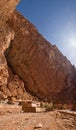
(6, 35)
(45, 71)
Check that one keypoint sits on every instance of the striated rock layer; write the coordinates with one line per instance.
(46, 73)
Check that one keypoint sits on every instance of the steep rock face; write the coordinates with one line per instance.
(44, 70)
(6, 35)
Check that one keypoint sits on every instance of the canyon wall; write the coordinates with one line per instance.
(29, 62)
(46, 73)
(10, 84)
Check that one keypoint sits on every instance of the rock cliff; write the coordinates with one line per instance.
(9, 83)
(45, 72)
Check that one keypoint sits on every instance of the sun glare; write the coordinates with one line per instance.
(72, 42)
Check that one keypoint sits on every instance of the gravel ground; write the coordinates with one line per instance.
(53, 120)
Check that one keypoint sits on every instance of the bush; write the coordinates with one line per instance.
(50, 106)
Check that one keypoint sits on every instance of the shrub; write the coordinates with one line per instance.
(50, 106)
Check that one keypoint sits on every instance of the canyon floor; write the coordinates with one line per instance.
(12, 118)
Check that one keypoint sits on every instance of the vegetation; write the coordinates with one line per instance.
(48, 106)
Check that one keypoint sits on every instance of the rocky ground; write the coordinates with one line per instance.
(14, 119)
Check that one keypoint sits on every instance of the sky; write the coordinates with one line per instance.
(55, 20)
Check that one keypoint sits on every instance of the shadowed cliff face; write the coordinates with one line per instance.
(44, 70)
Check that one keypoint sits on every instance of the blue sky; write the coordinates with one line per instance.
(55, 20)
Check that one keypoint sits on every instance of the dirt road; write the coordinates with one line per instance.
(53, 120)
